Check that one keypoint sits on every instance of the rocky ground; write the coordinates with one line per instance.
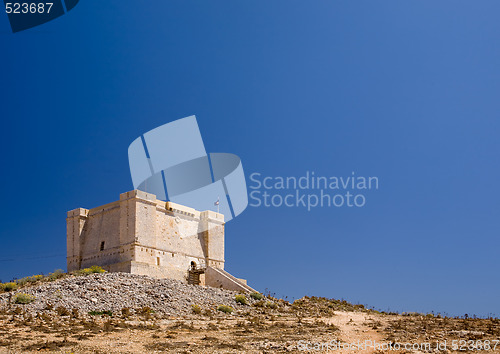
(115, 291)
(124, 313)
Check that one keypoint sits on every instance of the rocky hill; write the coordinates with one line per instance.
(112, 292)
(125, 313)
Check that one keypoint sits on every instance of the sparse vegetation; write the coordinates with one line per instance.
(22, 298)
(88, 271)
(260, 303)
(29, 280)
(270, 324)
(256, 296)
(271, 305)
(146, 310)
(57, 274)
(241, 299)
(126, 312)
(225, 309)
(324, 306)
(75, 313)
(62, 311)
(9, 286)
(196, 309)
(101, 313)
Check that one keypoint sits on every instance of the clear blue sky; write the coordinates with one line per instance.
(406, 91)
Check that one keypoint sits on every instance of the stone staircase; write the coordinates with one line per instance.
(217, 277)
(194, 274)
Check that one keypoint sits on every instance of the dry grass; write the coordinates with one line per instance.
(263, 328)
(429, 328)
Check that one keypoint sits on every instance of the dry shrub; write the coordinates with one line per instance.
(75, 313)
(126, 312)
(62, 311)
(212, 327)
(108, 326)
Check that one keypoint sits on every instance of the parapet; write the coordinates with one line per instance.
(181, 209)
(212, 216)
(139, 195)
(78, 212)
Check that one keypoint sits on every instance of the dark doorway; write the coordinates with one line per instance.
(194, 274)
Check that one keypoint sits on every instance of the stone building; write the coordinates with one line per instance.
(140, 234)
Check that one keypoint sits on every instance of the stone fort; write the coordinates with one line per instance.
(140, 234)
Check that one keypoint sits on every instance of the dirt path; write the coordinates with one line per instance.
(357, 326)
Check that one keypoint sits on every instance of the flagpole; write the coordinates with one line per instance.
(217, 203)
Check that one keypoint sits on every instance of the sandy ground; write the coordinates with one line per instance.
(267, 326)
(252, 333)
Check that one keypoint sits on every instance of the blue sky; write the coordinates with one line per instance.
(405, 91)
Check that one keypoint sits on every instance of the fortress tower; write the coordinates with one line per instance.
(140, 234)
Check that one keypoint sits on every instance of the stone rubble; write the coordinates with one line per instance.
(115, 291)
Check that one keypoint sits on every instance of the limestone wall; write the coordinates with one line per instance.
(143, 235)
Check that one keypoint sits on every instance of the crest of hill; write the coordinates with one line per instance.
(94, 291)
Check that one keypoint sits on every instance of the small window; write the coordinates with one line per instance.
(102, 246)
(157, 260)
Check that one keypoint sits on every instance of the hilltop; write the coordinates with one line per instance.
(125, 313)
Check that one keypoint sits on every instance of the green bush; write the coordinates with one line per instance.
(57, 274)
(241, 299)
(225, 309)
(9, 286)
(196, 309)
(100, 313)
(85, 271)
(31, 279)
(23, 298)
(35, 278)
(21, 281)
(256, 296)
